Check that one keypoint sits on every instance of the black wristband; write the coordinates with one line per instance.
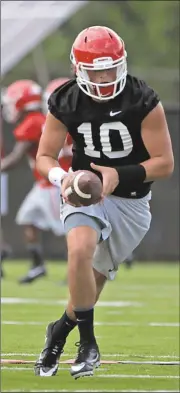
(131, 175)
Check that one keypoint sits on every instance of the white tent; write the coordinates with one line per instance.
(24, 24)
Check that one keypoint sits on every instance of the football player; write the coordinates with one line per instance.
(119, 131)
(22, 103)
(65, 155)
(5, 248)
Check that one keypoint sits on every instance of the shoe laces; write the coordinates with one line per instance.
(51, 355)
(82, 348)
(55, 346)
(56, 350)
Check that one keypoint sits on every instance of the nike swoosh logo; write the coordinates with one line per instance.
(49, 373)
(114, 113)
(77, 367)
(68, 324)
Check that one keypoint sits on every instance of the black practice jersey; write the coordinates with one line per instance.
(106, 133)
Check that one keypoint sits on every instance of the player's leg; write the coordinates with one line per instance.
(34, 249)
(100, 280)
(82, 240)
(57, 333)
(38, 213)
(82, 287)
(5, 251)
(81, 243)
(93, 217)
(41, 211)
(5, 248)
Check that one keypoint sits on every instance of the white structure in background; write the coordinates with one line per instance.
(25, 24)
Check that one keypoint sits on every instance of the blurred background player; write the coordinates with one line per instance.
(5, 248)
(65, 156)
(22, 104)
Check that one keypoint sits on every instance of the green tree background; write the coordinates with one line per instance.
(149, 28)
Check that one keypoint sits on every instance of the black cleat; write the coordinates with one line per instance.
(48, 362)
(33, 275)
(87, 360)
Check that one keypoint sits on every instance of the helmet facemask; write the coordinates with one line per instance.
(101, 91)
(12, 114)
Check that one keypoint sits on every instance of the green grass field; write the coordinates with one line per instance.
(137, 323)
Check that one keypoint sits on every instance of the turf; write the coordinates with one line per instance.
(140, 324)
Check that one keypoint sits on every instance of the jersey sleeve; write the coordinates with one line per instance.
(149, 100)
(30, 129)
(53, 105)
(62, 102)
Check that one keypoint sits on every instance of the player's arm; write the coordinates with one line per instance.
(12, 159)
(156, 138)
(51, 143)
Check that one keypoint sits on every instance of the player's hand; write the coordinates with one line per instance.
(64, 183)
(66, 180)
(110, 178)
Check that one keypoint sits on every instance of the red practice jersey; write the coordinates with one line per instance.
(30, 129)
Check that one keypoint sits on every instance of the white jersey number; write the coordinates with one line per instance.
(107, 149)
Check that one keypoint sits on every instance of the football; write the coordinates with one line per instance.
(84, 189)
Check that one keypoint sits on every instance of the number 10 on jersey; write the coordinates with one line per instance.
(107, 148)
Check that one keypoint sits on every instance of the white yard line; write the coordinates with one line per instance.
(134, 376)
(63, 302)
(169, 324)
(143, 311)
(104, 323)
(149, 286)
(104, 355)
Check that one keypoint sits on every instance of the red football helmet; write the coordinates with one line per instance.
(49, 90)
(98, 48)
(20, 96)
